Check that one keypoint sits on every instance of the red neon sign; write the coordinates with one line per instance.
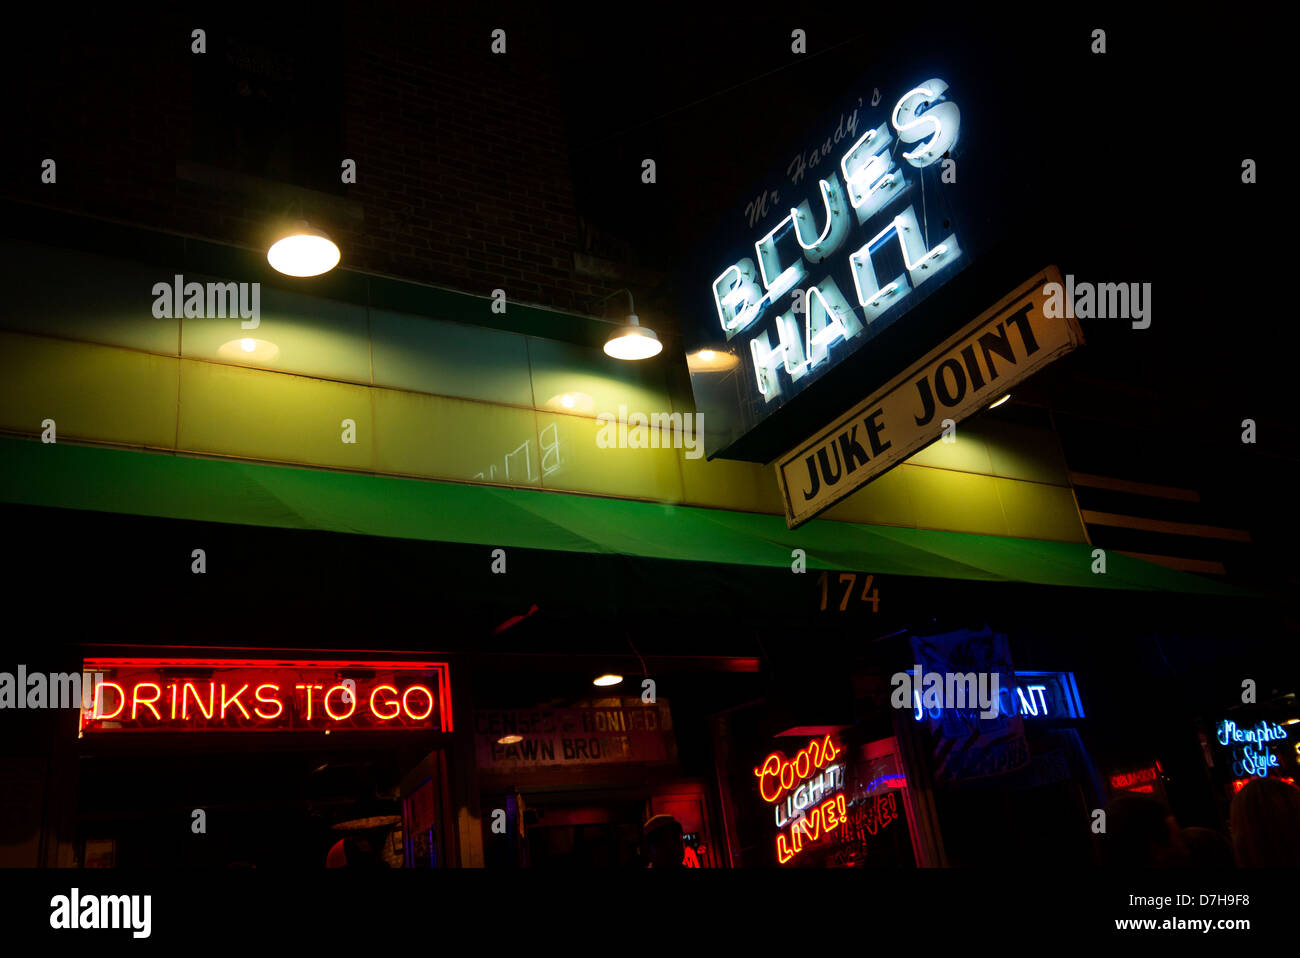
(779, 774)
(822, 820)
(780, 777)
(1240, 783)
(1141, 780)
(180, 695)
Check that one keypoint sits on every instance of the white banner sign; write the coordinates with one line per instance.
(973, 368)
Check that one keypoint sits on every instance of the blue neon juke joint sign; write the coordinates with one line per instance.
(854, 227)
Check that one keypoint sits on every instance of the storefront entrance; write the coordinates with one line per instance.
(242, 808)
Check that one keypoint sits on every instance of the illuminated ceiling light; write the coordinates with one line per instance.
(303, 251)
(711, 361)
(1000, 401)
(632, 341)
(248, 350)
(571, 402)
(510, 739)
(607, 679)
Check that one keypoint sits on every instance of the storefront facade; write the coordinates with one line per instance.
(352, 560)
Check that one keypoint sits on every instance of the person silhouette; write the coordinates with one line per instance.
(1265, 823)
(663, 839)
(1143, 833)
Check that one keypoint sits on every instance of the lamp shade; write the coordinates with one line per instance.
(303, 251)
(633, 341)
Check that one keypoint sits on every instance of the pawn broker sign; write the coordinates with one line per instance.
(973, 368)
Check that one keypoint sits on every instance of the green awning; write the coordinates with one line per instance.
(210, 490)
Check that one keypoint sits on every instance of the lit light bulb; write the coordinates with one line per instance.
(305, 251)
(247, 345)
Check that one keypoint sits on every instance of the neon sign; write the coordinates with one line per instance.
(808, 814)
(867, 221)
(146, 695)
(1036, 695)
(1241, 783)
(897, 188)
(1142, 780)
(779, 774)
(822, 820)
(872, 179)
(1250, 748)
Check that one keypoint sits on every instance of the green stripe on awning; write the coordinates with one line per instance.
(210, 490)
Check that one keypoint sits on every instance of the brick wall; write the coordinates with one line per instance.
(463, 171)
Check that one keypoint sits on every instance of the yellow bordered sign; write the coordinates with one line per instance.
(968, 371)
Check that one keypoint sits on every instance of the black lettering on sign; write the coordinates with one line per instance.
(927, 401)
(874, 430)
(814, 480)
(819, 465)
(1021, 319)
(972, 367)
(996, 343)
(854, 454)
(824, 461)
(958, 392)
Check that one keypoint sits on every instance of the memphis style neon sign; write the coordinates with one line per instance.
(868, 181)
(1250, 748)
(152, 695)
(808, 814)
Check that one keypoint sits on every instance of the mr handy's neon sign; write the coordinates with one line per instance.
(872, 175)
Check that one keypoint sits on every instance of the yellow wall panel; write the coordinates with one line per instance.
(583, 466)
(726, 484)
(956, 501)
(886, 500)
(1035, 510)
(444, 438)
(91, 392)
(231, 411)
